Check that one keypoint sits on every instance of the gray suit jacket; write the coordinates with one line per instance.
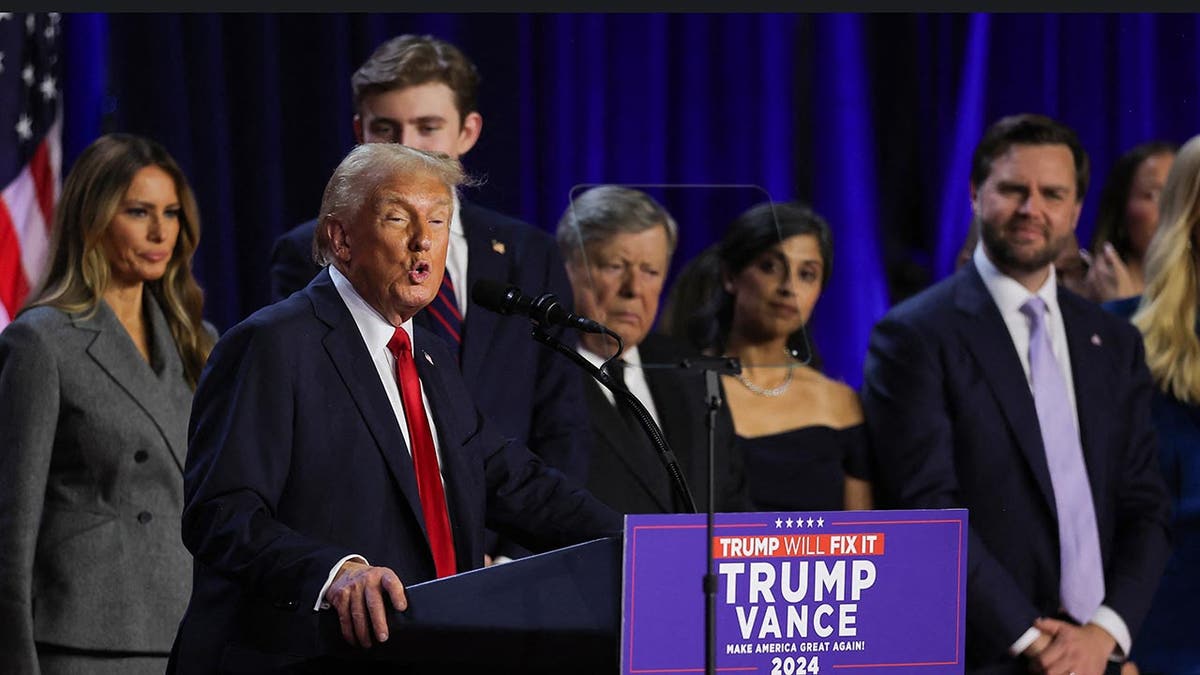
(92, 444)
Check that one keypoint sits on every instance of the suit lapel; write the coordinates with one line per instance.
(643, 465)
(487, 258)
(344, 345)
(672, 395)
(113, 350)
(987, 338)
(1093, 383)
(671, 398)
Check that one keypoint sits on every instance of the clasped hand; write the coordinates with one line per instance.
(1066, 649)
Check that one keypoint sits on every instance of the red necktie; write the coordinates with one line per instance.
(424, 456)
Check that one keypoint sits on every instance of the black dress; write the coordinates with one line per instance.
(804, 469)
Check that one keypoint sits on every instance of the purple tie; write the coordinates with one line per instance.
(1081, 578)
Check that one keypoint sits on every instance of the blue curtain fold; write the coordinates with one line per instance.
(870, 117)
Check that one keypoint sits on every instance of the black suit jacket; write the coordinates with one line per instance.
(627, 475)
(952, 424)
(295, 460)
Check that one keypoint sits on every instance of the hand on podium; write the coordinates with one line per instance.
(356, 593)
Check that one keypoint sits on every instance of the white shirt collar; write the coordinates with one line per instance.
(456, 225)
(630, 356)
(1007, 292)
(376, 331)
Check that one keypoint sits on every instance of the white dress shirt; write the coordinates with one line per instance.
(456, 258)
(1009, 296)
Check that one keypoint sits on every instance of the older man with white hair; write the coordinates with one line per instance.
(335, 453)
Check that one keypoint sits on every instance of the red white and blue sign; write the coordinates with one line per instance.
(797, 593)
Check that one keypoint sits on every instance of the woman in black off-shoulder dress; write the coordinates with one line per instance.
(750, 296)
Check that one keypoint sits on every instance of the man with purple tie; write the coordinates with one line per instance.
(422, 92)
(999, 391)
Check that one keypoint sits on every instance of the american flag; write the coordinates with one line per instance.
(30, 150)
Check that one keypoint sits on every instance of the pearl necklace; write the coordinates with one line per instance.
(773, 391)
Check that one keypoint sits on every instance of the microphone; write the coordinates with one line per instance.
(545, 309)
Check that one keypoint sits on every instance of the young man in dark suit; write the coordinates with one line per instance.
(618, 242)
(1001, 392)
(423, 92)
(335, 453)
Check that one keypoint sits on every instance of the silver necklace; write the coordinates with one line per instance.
(773, 391)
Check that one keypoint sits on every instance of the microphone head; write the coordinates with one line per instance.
(496, 296)
(547, 309)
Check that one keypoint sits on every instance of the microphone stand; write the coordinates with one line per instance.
(713, 368)
(712, 385)
(623, 396)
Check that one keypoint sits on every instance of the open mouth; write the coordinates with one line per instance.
(420, 272)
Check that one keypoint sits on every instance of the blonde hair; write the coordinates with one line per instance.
(79, 271)
(1166, 315)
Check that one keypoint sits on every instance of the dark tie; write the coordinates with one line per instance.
(424, 456)
(447, 320)
(1081, 578)
(616, 368)
(637, 436)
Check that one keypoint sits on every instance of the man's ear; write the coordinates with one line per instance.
(472, 127)
(358, 130)
(339, 239)
(1075, 214)
(571, 265)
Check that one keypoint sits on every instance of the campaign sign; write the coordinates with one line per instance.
(797, 593)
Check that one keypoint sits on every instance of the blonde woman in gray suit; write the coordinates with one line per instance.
(96, 380)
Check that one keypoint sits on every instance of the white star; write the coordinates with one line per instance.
(50, 31)
(47, 88)
(24, 128)
(778, 523)
(5, 16)
(29, 24)
(789, 522)
(810, 522)
(55, 17)
(27, 74)
(820, 522)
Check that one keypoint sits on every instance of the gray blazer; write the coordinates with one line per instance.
(92, 445)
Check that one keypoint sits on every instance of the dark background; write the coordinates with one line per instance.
(869, 117)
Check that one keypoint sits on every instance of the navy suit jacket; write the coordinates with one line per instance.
(628, 475)
(953, 424)
(531, 394)
(295, 460)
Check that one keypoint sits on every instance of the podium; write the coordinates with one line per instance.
(550, 613)
(797, 591)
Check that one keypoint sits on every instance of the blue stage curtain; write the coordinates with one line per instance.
(871, 118)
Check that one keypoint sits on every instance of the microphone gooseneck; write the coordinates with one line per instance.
(545, 309)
